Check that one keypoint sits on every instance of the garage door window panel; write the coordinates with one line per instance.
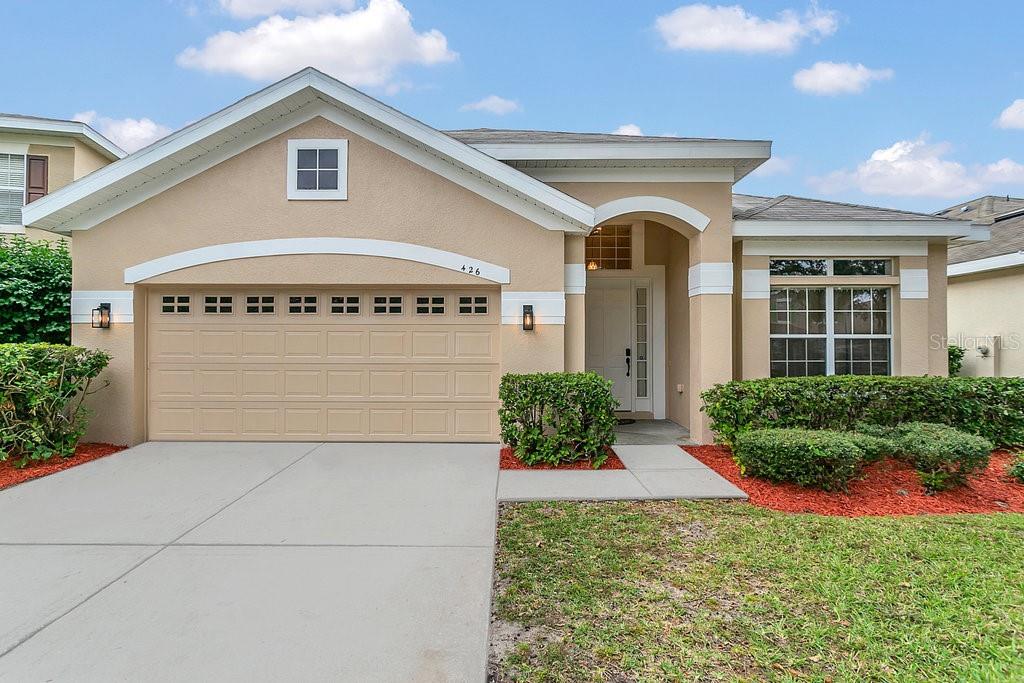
(260, 304)
(472, 305)
(216, 304)
(430, 305)
(387, 305)
(345, 305)
(176, 304)
(303, 304)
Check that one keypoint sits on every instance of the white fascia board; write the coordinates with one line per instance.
(574, 214)
(986, 264)
(832, 247)
(690, 149)
(73, 128)
(746, 228)
(978, 233)
(633, 174)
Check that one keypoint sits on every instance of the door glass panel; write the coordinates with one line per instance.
(641, 342)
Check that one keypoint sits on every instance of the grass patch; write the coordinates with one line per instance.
(658, 591)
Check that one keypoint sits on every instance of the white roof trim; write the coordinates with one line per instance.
(689, 149)
(746, 228)
(833, 247)
(73, 128)
(574, 213)
(986, 264)
(669, 207)
(318, 245)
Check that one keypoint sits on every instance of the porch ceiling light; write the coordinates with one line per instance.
(527, 317)
(101, 316)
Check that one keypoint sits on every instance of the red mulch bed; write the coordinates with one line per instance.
(10, 474)
(889, 487)
(509, 461)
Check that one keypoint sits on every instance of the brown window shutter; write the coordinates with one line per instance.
(36, 172)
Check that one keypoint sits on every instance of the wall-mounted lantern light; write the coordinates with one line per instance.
(527, 317)
(101, 317)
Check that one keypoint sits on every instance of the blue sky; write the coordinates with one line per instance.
(914, 104)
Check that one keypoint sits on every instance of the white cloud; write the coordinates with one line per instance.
(129, 134)
(1012, 116)
(493, 104)
(247, 9)
(775, 166)
(363, 48)
(1002, 171)
(628, 129)
(918, 168)
(832, 78)
(723, 28)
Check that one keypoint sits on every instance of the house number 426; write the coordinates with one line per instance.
(471, 270)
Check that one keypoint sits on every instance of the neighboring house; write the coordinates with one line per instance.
(311, 264)
(39, 156)
(986, 288)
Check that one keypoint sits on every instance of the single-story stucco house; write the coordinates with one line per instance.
(311, 264)
(986, 288)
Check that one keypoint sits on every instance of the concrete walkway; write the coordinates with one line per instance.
(252, 562)
(652, 472)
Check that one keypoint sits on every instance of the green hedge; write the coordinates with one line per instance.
(822, 459)
(35, 291)
(41, 391)
(557, 417)
(1016, 468)
(943, 456)
(991, 407)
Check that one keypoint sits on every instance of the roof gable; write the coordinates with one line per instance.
(18, 123)
(299, 97)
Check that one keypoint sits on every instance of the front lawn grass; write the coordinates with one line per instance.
(664, 591)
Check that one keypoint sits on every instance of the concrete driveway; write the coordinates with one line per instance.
(203, 561)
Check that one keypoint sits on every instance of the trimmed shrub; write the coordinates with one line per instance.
(557, 417)
(943, 456)
(1016, 468)
(822, 459)
(991, 407)
(956, 359)
(35, 291)
(42, 387)
(874, 447)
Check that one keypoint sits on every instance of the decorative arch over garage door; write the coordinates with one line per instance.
(318, 245)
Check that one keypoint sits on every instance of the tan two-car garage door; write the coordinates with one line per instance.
(343, 365)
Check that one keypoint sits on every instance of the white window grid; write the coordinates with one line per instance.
(260, 304)
(345, 304)
(303, 304)
(218, 304)
(830, 265)
(175, 304)
(432, 304)
(318, 144)
(474, 304)
(387, 304)
(642, 342)
(830, 335)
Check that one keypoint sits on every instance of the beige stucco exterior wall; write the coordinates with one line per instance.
(87, 160)
(754, 334)
(938, 297)
(983, 306)
(60, 164)
(664, 246)
(575, 310)
(244, 198)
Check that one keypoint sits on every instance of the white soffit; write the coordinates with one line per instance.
(947, 229)
(834, 248)
(456, 159)
(983, 265)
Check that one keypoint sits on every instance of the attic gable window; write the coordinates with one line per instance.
(318, 169)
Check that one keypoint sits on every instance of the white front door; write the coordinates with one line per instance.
(609, 335)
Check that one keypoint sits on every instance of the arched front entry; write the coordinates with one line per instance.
(657, 308)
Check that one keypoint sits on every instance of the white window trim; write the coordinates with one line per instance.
(293, 161)
(830, 335)
(17, 228)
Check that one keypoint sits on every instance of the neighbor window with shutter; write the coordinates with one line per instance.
(12, 188)
(36, 178)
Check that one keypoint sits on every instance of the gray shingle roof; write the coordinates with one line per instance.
(494, 136)
(789, 208)
(1004, 217)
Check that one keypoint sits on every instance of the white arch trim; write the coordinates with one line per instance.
(318, 245)
(670, 207)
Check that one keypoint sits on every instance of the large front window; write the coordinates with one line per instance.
(831, 331)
